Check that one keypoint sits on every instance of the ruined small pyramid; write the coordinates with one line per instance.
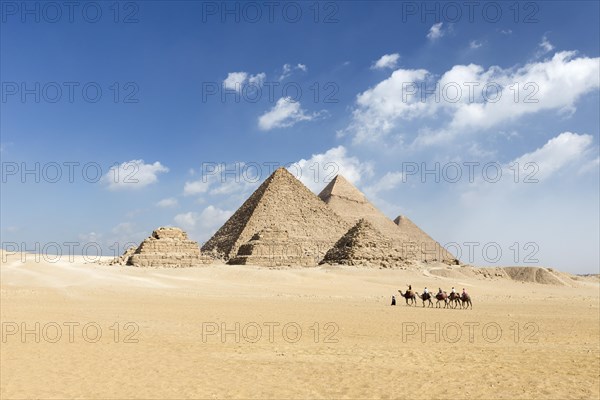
(351, 204)
(167, 247)
(281, 202)
(364, 245)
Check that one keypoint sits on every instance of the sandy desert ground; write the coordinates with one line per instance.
(170, 341)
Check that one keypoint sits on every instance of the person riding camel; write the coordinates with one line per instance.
(425, 292)
(453, 290)
(439, 290)
(410, 288)
(464, 293)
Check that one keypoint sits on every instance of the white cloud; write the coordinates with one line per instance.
(558, 153)
(237, 80)
(545, 46)
(435, 32)
(258, 79)
(552, 84)
(285, 113)
(134, 174)
(475, 44)
(168, 202)
(210, 219)
(386, 61)
(321, 168)
(387, 182)
(235, 178)
(288, 69)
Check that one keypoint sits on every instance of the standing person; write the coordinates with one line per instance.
(393, 300)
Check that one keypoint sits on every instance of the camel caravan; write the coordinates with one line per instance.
(452, 300)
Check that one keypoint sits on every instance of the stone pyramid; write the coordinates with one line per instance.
(418, 235)
(351, 204)
(284, 203)
(272, 247)
(168, 247)
(364, 245)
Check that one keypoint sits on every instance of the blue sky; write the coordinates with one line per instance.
(343, 87)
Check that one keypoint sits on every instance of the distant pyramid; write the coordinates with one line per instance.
(351, 204)
(284, 203)
(364, 245)
(419, 236)
(167, 247)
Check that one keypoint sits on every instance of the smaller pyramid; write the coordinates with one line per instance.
(168, 247)
(272, 247)
(364, 245)
(424, 241)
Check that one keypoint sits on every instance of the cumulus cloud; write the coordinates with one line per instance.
(209, 220)
(469, 98)
(320, 169)
(134, 174)
(386, 61)
(284, 114)
(168, 202)
(558, 153)
(222, 179)
(237, 80)
(435, 32)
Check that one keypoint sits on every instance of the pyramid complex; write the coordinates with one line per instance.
(351, 204)
(167, 247)
(364, 245)
(281, 201)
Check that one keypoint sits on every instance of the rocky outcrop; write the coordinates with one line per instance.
(281, 202)
(168, 247)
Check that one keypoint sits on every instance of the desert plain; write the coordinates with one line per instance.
(244, 331)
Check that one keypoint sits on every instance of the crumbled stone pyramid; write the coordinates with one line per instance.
(168, 247)
(272, 247)
(364, 245)
(283, 202)
(351, 204)
(122, 259)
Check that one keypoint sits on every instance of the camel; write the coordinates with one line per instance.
(426, 297)
(465, 298)
(454, 299)
(409, 295)
(441, 297)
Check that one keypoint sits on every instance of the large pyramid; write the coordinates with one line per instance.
(351, 204)
(283, 202)
(364, 245)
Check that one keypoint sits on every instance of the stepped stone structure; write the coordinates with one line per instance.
(122, 260)
(168, 247)
(351, 204)
(281, 203)
(272, 247)
(364, 245)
